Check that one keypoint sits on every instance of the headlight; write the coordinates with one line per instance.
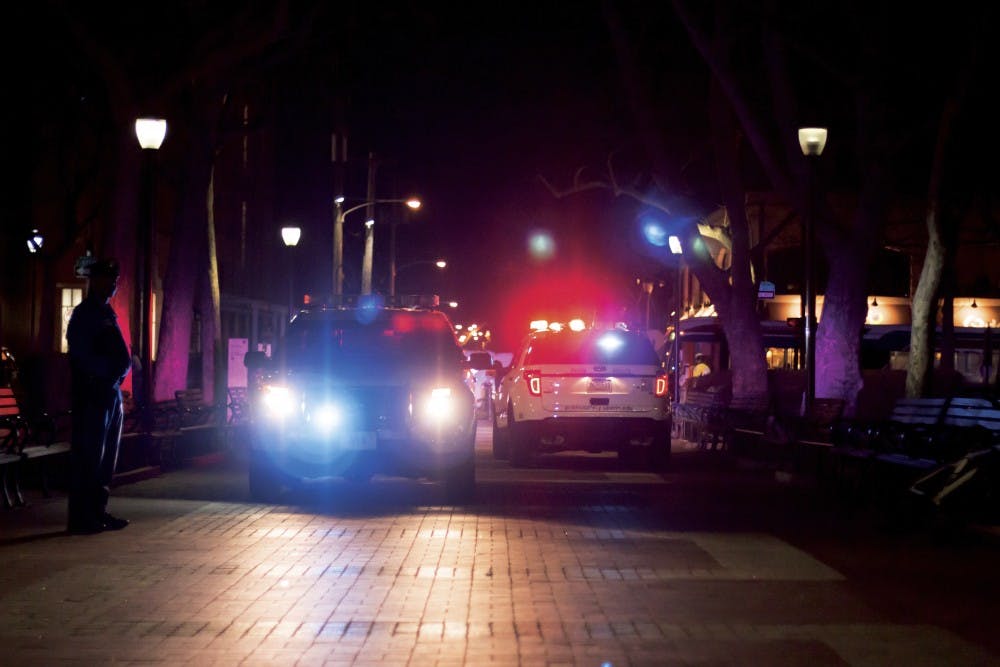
(439, 406)
(278, 402)
(328, 417)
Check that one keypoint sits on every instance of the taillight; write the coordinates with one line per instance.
(534, 380)
(662, 386)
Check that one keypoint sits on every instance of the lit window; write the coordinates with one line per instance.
(70, 297)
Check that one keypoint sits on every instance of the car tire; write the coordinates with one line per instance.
(501, 441)
(522, 442)
(460, 482)
(264, 482)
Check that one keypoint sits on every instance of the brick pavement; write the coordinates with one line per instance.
(196, 582)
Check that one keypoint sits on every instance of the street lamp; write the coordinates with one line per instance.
(812, 140)
(677, 250)
(35, 242)
(340, 214)
(290, 236)
(150, 133)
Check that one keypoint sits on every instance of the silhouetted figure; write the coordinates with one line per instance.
(99, 362)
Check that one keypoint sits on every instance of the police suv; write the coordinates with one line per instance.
(584, 389)
(362, 390)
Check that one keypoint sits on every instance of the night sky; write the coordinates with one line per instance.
(466, 105)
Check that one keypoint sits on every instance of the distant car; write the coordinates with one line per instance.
(365, 390)
(593, 390)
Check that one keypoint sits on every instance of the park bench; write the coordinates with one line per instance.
(163, 431)
(919, 435)
(194, 412)
(24, 439)
(716, 419)
(202, 425)
(925, 435)
(701, 417)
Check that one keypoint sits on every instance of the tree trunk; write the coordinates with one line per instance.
(738, 297)
(838, 336)
(187, 259)
(214, 369)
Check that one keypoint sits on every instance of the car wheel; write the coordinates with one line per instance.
(265, 482)
(460, 482)
(501, 441)
(522, 442)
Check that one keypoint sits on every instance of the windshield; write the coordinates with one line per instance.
(389, 338)
(592, 347)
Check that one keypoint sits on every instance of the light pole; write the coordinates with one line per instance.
(35, 242)
(150, 133)
(290, 236)
(812, 141)
(394, 270)
(340, 214)
(677, 250)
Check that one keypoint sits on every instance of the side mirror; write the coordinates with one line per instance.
(480, 361)
(499, 370)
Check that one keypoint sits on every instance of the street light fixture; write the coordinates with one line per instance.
(340, 214)
(35, 242)
(677, 250)
(150, 133)
(812, 140)
(290, 236)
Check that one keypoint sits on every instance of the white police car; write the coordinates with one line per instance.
(593, 390)
(365, 390)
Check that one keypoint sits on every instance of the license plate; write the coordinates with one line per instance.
(357, 440)
(599, 386)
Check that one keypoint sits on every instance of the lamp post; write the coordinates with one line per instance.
(812, 141)
(35, 242)
(676, 250)
(340, 214)
(290, 236)
(150, 133)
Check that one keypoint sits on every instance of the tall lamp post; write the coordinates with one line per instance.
(340, 214)
(812, 141)
(676, 250)
(35, 242)
(150, 133)
(290, 236)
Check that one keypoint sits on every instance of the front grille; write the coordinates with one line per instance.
(368, 408)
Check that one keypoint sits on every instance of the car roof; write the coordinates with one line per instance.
(402, 319)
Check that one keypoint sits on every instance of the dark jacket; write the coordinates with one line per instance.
(99, 357)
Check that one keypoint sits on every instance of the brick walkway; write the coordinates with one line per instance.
(196, 582)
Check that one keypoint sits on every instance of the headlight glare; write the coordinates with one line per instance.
(278, 401)
(439, 405)
(328, 417)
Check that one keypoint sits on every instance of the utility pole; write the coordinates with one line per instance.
(366, 265)
(338, 156)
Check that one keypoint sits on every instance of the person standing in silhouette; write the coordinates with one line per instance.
(99, 362)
